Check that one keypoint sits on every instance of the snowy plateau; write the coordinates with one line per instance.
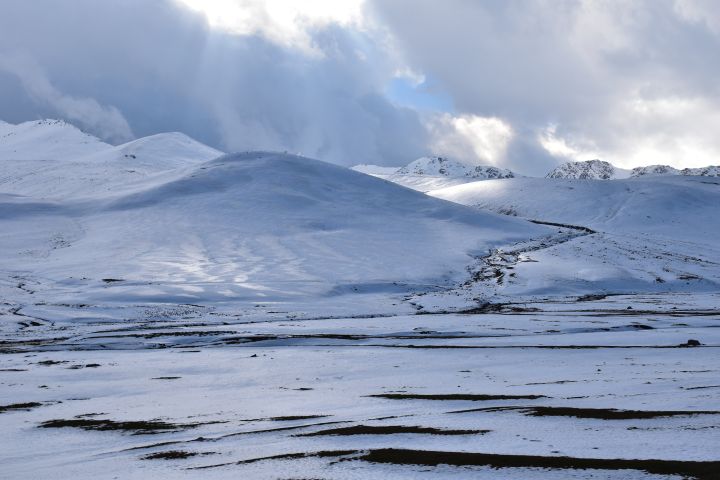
(170, 311)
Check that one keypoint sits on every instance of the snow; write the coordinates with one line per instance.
(252, 298)
(64, 162)
(246, 386)
(662, 205)
(163, 211)
(652, 234)
(46, 139)
(255, 224)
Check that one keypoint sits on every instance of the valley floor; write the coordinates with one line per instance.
(616, 387)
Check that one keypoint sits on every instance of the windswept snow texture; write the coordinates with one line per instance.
(430, 173)
(588, 170)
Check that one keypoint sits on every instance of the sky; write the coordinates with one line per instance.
(521, 84)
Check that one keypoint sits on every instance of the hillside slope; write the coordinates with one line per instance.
(46, 139)
(653, 234)
(51, 159)
(254, 225)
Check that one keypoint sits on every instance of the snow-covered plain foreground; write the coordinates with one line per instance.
(170, 314)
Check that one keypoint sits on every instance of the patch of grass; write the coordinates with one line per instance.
(289, 418)
(454, 396)
(700, 470)
(20, 406)
(611, 413)
(47, 363)
(170, 455)
(388, 430)
(140, 427)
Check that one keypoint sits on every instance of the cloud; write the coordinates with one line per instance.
(286, 22)
(165, 68)
(624, 79)
(470, 138)
(704, 12)
(522, 84)
(106, 121)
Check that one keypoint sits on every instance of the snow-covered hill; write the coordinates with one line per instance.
(46, 139)
(175, 224)
(654, 233)
(667, 205)
(53, 159)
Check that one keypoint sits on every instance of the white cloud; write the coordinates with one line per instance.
(564, 148)
(470, 138)
(286, 22)
(629, 81)
(705, 12)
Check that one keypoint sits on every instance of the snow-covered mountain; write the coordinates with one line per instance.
(430, 173)
(588, 170)
(601, 170)
(710, 171)
(443, 166)
(654, 170)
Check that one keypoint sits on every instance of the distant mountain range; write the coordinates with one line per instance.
(601, 170)
(431, 173)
